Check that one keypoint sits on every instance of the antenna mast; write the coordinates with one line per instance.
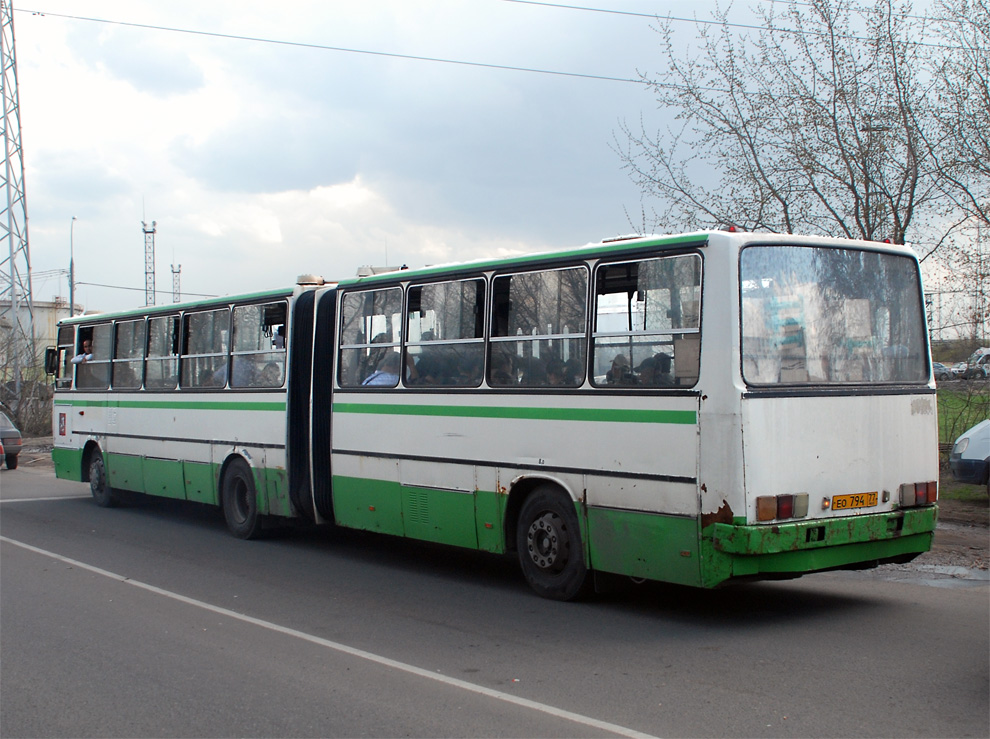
(149, 262)
(176, 293)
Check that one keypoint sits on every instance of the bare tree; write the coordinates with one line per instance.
(811, 125)
(961, 68)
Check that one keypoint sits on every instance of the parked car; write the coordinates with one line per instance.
(970, 456)
(941, 371)
(10, 441)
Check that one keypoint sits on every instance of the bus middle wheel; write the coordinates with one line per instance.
(240, 501)
(548, 540)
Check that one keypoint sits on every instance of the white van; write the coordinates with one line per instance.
(970, 457)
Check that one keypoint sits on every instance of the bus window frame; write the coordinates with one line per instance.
(493, 341)
(93, 366)
(174, 354)
(235, 354)
(632, 334)
(480, 323)
(224, 355)
(116, 362)
(394, 345)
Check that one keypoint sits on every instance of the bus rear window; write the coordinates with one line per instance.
(814, 315)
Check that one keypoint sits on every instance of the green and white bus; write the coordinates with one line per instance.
(695, 409)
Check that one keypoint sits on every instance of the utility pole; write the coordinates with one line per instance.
(149, 262)
(72, 267)
(15, 256)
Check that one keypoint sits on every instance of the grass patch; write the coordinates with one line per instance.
(961, 409)
(949, 489)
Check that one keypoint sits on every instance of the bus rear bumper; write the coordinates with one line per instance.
(812, 546)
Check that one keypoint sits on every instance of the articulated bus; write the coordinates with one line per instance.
(696, 409)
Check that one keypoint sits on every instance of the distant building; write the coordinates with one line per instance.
(47, 314)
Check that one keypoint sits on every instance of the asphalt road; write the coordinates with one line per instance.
(150, 620)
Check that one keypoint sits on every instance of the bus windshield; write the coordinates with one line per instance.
(830, 316)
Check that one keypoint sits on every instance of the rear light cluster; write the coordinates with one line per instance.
(770, 507)
(918, 493)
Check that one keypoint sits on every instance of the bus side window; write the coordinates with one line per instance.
(66, 350)
(258, 345)
(94, 374)
(646, 323)
(445, 334)
(376, 314)
(128, 354)
(538, 328)
(162, 364)
(205, 342)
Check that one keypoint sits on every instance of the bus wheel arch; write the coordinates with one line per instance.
(95, 473)
(546, 533)
(89, 450)
(239, 498)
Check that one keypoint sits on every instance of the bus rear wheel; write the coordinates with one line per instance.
(548, 540)
(240, 501)
(104, 495)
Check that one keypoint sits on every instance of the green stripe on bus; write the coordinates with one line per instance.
(609, 415)
(188, 405)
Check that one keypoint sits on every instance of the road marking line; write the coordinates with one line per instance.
(53, 497)
(344, 649)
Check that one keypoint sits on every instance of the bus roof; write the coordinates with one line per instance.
(152, 310)
(625, 245)
(622, 246)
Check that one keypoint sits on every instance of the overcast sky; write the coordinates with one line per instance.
(260, 161)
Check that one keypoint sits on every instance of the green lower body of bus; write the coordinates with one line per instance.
(671, 549)
(636, 544)
(179, 479)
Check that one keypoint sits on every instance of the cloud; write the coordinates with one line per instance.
(148, 60)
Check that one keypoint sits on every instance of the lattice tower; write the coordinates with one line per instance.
(149, 262)
(176, 292)
(17, 348)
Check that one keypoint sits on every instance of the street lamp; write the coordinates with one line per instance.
(72, 271)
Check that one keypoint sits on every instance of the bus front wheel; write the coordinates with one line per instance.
(104, 495)
(240, 501)
(548, 540)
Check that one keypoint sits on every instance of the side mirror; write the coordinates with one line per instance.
(51, 361)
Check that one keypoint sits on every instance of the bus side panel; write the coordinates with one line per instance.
(645, 545)
(441, 516)
(277, 489)
(68, 463)
(369, 504)
(164, 477)
(489, 511)
(200, 482)
(125, 472)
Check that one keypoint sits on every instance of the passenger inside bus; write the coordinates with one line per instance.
(387, 375)
(621, 373)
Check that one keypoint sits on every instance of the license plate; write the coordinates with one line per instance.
(856, 500)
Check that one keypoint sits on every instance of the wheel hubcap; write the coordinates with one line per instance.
(547, 542)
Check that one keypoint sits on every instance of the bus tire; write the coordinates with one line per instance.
(240, 501)
(548, 540)
(104, 495)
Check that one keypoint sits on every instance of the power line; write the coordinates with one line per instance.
(326, 47)
(141, 289)
(727, 24)
(692, 20)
